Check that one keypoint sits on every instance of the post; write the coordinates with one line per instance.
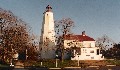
(41, 63)
(12, 56)
(26, 54)
(78, 60)
(11, 64)
(56, 60)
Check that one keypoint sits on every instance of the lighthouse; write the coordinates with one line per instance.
(47, 39)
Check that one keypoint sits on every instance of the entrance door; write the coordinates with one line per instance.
(97, 51)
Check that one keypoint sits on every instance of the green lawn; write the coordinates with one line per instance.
(69, 63)
(1, 65)
(114, 62)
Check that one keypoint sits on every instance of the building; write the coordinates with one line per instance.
(47, 39)
(80, 47)
(83, 47)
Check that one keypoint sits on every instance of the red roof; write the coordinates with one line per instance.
(78, 37)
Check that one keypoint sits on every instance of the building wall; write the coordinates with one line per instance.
(89, 54)
(47, 41)
(88, 43)
(48, 27)
(73, 43)
(88, 51)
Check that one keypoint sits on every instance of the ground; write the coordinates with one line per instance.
(67, 64)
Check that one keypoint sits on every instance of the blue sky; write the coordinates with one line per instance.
(96, 17)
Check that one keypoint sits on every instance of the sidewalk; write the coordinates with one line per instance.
(72, 67)
(64, 68)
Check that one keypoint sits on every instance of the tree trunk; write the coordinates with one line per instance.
(62, 58)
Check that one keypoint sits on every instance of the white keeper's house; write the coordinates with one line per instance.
(83, 47)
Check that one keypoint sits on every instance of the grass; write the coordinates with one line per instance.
(1, 65)
(51, 63)
(71, 63)
(113, 62)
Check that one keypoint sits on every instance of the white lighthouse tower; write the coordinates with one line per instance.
(47, 39)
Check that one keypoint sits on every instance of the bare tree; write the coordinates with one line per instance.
(62, 27)
(104, 42)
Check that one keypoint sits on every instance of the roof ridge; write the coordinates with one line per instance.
(78, 37)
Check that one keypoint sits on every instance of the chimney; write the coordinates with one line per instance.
(83, 33)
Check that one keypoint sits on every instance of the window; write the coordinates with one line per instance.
(78, 51)
(97, 51)
(85, 50)
(87, 55)
(92, 57)
(68, 44)
(89, 44)
(92, 51)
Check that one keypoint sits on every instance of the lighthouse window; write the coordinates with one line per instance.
(47, 14)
